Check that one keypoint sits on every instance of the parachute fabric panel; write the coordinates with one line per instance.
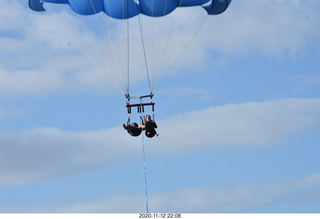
(36, 5)
(130, 8)
(217, 7)
(186, 3)
(157, 8)
(121, 9)
(56, 1)
(85, 7)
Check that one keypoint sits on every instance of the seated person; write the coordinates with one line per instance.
(134, 129)
(150, 127)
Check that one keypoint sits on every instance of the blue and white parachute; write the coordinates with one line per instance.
(160, 59)
(130, 8)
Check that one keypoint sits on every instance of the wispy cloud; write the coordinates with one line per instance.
(265, 26)
(47, 153)
(38, 57)
(240, 125)
(239, 197)
(233, 198)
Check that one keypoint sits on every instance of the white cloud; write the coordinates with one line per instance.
(232, 198)
(266, 26)
(238, 197)
(10, 14)
(6, 112)
(39, 57)
(243, 125)
(47, 153)
(189, 93)
(3, 113)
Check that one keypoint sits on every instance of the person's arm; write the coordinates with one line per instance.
(142, 121)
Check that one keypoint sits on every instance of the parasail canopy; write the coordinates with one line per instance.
(162, 49)
(130, 8)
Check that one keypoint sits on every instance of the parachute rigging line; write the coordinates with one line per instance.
(165, 57)
(109, 58)
(155, 67)
(186, 45)
(117, 55)
(128, 47)
(136, 7)
(144, 51)
(79, 46)
(182, 52)
(184, 48)
(85, 28)
(159, 69)
(108, 52)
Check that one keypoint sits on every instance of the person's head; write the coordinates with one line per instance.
(134, 124)
(148, 118)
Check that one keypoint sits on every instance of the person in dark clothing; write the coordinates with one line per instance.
(134, 129)
(150, 127)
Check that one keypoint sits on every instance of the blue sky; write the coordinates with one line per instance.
(238, 117)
